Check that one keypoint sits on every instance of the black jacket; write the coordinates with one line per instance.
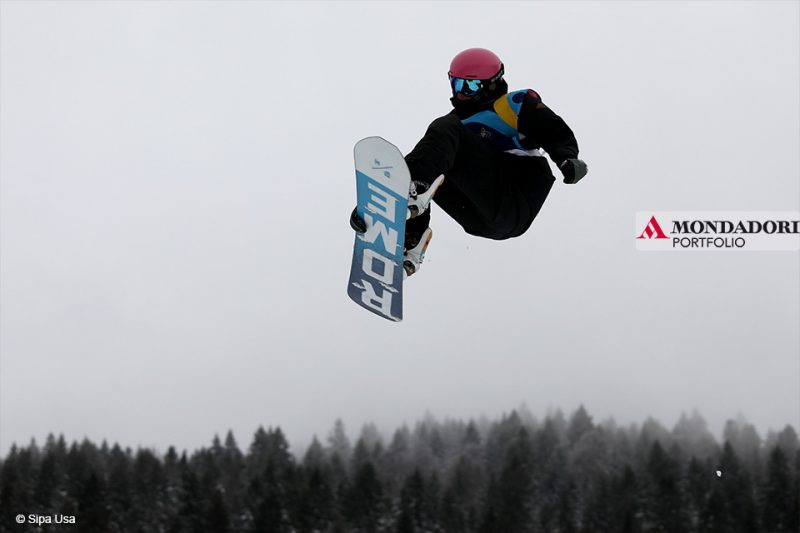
(538, 124)
(489, 192)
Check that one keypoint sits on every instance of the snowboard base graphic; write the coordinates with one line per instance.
(376, 274)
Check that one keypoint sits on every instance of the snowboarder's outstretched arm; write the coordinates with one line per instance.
(541, 127)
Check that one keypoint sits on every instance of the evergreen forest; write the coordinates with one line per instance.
(515, 474)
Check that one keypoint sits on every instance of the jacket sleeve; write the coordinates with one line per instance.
(542, 128)
(435, 153)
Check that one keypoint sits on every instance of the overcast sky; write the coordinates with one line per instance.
(176, 180)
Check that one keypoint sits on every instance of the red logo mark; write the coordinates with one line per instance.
(653, 231)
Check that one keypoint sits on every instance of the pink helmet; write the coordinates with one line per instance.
(476, 64)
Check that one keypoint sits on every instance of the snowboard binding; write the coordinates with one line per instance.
(420, 195)
(413, 257)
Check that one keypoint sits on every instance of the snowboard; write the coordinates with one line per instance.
(376, 273)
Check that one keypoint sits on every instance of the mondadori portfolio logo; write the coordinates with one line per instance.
(718, 231)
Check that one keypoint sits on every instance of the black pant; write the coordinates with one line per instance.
(490, 193)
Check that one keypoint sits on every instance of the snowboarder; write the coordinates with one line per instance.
(484, 162)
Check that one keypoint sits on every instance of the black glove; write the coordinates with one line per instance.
(573, 170)
(357, 223)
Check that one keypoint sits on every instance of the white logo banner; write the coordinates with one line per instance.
(718, 231)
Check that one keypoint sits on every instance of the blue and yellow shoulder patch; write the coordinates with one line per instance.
(500, 124)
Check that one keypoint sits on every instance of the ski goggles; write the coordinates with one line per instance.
(465, 87)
